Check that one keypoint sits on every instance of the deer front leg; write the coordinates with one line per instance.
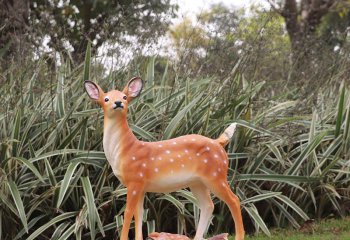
(134, 193)
(202, 193)
(139, 217)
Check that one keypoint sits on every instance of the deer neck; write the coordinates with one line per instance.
(117, 138)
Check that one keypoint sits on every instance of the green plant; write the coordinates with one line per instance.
(55, 182)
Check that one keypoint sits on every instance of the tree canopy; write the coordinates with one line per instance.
(68, 25)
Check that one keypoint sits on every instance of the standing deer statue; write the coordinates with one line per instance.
(193, 161)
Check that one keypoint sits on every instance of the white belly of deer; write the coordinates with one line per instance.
(171, 182)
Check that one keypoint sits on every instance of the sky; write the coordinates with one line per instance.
(191, 7)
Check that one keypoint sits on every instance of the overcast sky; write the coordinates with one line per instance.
(195, 6)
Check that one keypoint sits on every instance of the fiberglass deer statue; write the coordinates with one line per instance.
(193, 161)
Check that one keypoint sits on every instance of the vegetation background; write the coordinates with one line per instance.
(282, 73)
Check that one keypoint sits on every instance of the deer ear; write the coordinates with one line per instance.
(93, 90)
(133, 88)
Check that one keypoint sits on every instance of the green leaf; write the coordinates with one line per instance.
(87, 62)
(69, 139)
(278, 178)
(60, 98)
(19, 203)
(93, 216)
(174, 201)
(174, 123)
(292, 205)
(52, 222)
(31, 224)
(16, 132)
(67, 233)
(143, 133)
(305, 153)
(65, 183)
(260, 197)
(254, 214)
(339, 119)
(56, 153)
(150, 77)
(31, 167)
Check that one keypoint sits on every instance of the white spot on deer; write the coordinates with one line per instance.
(219, 169)
(222, 151)
(141, 174)
(167, 152)
(160, 145)
(156, 169)
(172, 171)
(186, 151)
(134, 192)
(207, 148)
(205, 160)
(171, 160)
(185, 140)
(152, 158)
(216, 156)
(183, 165)
(223, 184)
(143, 164)
(225, 162)
(214, 174)
(190, 158)
(143, 144)
(133, 158)
(178, 155)
(174, 142)
(193, 139)
(197, 154)
(159, 158)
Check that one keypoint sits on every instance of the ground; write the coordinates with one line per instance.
(331, 229)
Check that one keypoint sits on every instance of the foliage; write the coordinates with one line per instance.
(56, 183)
(263, 39)
(208, 46)
(221, 36)
(67, 26)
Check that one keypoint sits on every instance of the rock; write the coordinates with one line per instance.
(166, 236)
(169, 236)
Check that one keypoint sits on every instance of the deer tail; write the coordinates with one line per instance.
(225, 138)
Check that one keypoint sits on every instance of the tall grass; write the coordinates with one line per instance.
(56, 183)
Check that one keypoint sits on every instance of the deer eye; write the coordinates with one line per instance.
(124, 97)
(106, 99)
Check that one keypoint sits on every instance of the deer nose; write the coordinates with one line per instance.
(118, 104)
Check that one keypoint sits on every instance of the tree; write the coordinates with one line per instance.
(222, 35)
(70, 24)
(302, 19)
(14, 20)
(207, 47)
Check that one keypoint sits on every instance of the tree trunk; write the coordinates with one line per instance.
(302, 21)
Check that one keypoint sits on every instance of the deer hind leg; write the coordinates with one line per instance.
(134, 194)
(202, 193)
(222, 190)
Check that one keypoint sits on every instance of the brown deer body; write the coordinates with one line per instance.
(193, 161)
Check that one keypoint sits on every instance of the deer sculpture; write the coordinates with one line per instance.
(193, 161)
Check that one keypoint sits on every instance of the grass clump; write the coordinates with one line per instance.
(330, 229)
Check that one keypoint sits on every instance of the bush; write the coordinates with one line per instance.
(56, 183)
